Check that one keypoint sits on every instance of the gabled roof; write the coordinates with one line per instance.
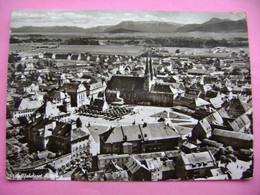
(27, 103)
(158, 131)
(148, 132)
(240, 122)
(79, 133)
(71, 87)
(223, 113)
(215, 119)
(113, 135)
(198, 160)
(232, 134)
(134, 165)
(237, 104)
(205, 125)
(62, 130)
(131, 133)
(189, 145)
(162, 87)
(112, 167)
(216, 102)
(153, 163)
(200, 102)
(126, 83)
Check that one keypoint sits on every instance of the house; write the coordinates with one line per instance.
(241, 124)
(94, 140)
(188, 147)
(59, 137)
(168, 170)
(195, 165)
(117, 176)
(139, 139)
(236, 107)
(77, 93)
(29, 87)
(216, 102)
(44, 134)
(115, 173)
(93, 89)
(137, 171)
(104, 159)
(79, 141)
(155, 167)
(202, 130)
(99, 104)
(235, 139)
(27, 107)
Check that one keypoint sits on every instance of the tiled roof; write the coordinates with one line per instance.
(198, 160)
(126, 83)
(26, 104)
(148, 132)
(153, 163)
(134, 165)
(78, 133)
(232, 134)
(216, 102)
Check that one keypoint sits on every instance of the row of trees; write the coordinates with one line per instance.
(196, 42)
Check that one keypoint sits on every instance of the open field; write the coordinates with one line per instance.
(204, 35)
(93, 49)
(114, 50)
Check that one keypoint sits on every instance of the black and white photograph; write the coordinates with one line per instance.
(120, 95)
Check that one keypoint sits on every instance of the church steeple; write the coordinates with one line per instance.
(147, 69)
(151, 67)
(149, 73)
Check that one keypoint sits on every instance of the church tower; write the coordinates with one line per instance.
(149, 74)
(66, 101)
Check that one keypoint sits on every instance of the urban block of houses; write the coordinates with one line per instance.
(27, 107)
(231, 138)
(77, 94)
(195, 165)
(139, 139)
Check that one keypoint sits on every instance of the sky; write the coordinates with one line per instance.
(93, 18)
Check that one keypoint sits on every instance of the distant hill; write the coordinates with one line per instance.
(213, 25)
(153, 27)
(216, 25)
(48, 29)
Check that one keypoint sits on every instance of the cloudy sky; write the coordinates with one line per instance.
(92, 18)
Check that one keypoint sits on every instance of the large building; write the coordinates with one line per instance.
(139, 139)
(140, 90)
(77, 93)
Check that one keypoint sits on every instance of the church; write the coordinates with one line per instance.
(146, 90)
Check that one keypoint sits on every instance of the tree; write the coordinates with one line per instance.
(20, 68)
(78, 123)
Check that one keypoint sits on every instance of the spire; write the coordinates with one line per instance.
(147, 69)
(151, 67)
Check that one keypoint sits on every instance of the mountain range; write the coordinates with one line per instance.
(213, 25)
